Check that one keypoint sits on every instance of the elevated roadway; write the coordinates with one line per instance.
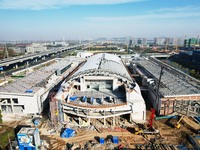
(18, 59)
(158, 55)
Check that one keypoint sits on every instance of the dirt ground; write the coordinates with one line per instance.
(87, 137)
(127, 138)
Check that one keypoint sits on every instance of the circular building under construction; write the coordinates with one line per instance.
(101, 88)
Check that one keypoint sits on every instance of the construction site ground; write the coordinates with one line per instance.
(87, 137)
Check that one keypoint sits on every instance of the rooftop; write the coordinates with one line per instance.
(35, 80)
(170, 84)
(104, 62)
(27, 131)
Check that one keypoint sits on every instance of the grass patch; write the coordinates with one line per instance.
(9, 132)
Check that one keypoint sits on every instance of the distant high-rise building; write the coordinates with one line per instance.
(144, 42)
(134, 41)
(160, 41)
(167, 41)
(151, 41)
(139, 41)
(192, 42)
(174, 41)
(185, 43)
(130, 43)
(180, 41)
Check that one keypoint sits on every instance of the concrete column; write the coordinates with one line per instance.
(16, 66)
(83, 87)
(88, 112)
(188, 108)
(104, 121)
(35, 60)
(114, 118)
(104, 113)
(27, 63)
(115, 86)
(77, 112)
(12, 108)
(113, 121)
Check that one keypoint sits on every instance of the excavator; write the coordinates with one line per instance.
(150, 129)
(178, 125)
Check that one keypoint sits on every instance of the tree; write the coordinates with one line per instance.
(1, 117)
(192, 72)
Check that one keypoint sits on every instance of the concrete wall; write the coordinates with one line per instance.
(27, 103)
(139, 112)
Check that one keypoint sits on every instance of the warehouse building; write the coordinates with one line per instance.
(175, 93)
(27, 95)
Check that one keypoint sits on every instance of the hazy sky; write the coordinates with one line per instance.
(87, 19)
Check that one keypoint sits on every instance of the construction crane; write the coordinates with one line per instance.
(166, 44)
(176, 46)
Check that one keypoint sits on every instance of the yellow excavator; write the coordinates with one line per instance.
(178, 125)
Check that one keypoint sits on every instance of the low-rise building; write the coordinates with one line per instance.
(175, 93)
(36, 47)
(27, 95)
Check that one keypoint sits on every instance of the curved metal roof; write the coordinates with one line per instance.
(104, 62)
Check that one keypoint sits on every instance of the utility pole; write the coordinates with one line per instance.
(157, 98)
(161, 73)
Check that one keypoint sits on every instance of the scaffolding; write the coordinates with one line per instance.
(188, 108)
(54, 114)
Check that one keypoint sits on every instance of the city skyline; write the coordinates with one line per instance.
(89, 19)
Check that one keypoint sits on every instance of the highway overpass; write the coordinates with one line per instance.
(158, 55)
(53, 51)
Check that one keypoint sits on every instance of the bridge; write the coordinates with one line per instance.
(158, 55)
(53, 51)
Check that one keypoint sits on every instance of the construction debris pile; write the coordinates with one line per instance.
(163, 134)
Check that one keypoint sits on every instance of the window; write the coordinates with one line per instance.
(8, 101)
(15, 100)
